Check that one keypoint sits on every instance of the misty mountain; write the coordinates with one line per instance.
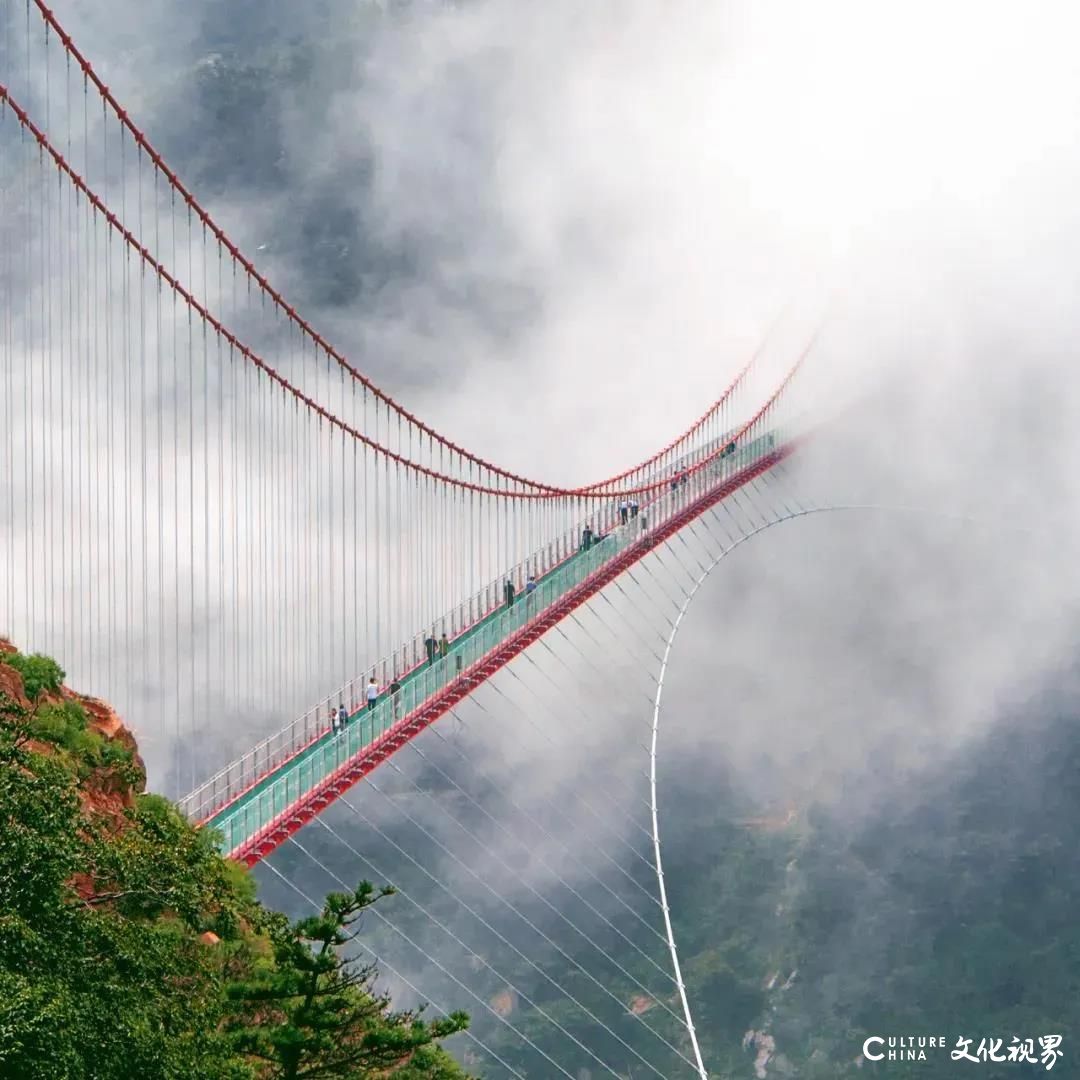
(802, 931)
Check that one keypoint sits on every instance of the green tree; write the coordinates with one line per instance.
(85, 989)
(313, 1013)
(106, 969)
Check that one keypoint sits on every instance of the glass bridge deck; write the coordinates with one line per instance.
(269, 798)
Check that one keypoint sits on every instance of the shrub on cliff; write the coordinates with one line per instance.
(38, 672)
(65, 725)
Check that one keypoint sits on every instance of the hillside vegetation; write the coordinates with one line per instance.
(129, 948)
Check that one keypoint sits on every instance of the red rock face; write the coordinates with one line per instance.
(105, 791)
(103, 718)
(11, 684)
(104, 794)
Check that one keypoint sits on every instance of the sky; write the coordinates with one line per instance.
(588, 218)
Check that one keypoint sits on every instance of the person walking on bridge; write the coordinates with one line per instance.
(624, 511)
(586, 538)
(633, 508)
(444, 646)
(431, 645)
(508, 592)
(372, 694)
(395, 695)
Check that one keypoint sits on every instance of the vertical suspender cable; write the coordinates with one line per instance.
(128, 462)
(188, 630)
(341, 600)
(174, 523)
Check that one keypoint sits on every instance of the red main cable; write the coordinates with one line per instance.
(163, 274)
(292, 314)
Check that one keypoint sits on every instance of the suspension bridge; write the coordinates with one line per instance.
(216, 517)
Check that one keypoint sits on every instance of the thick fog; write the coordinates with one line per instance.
(557, 231)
